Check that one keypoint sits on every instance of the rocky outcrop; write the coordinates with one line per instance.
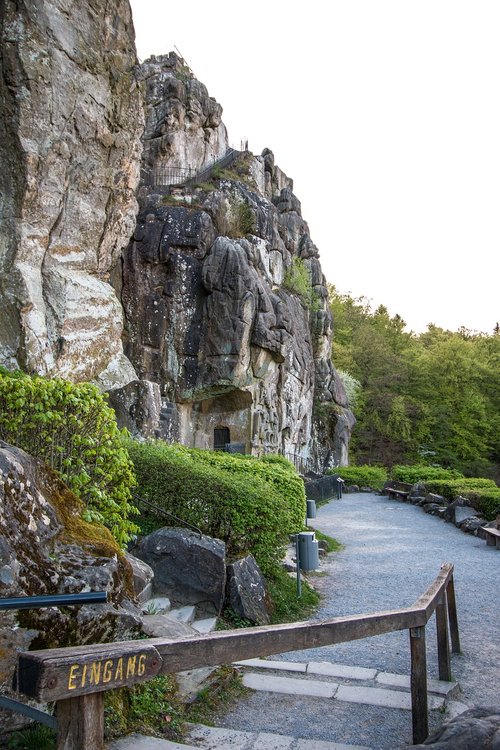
(246, 590)
(476, 728)
(70, 130)
(224, 297)
(45, 548)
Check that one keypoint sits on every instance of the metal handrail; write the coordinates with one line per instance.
(53, 600)
(164, 512)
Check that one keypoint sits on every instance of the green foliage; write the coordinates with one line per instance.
(364, 476)
(352, 388)
(433, 397)
(241, 219)
(422, 473)
(286, 607)
(226, 688)
(72, 429)
(149, 707)
(298, 281)
(277, 458)
(231, 620)
(34, 738)
(332, 545)
(252, 505)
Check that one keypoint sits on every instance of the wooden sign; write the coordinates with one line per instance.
(54, 675)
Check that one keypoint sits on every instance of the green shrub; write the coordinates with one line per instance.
(251, 505)
(72, 429)
(364, 476)
(298, 281)
(413, 474)
(241, 219)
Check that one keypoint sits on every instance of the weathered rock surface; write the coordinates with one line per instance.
(188, 568)
(70, 131)
(213, 314)
(246, 590)
(475, 728)
(45, 548)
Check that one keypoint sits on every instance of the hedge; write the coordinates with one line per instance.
(364, 476)
(72, 429)
(413, 474)
(252, 505)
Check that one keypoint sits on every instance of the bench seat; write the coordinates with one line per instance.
(492, 536)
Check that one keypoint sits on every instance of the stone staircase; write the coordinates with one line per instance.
(325, 681)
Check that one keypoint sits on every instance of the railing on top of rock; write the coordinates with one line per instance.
(171, 176)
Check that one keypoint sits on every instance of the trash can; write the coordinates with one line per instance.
(311, 509)
(308, 551)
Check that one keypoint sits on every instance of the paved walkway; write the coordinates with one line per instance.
(392, 552)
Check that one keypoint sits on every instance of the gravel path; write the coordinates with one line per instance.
(392, 552)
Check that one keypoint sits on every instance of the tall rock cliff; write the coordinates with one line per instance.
(70, 130)
(225, 301)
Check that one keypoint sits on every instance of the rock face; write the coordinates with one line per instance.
(189, 569)
(45, 548)
(69, 148)
(225, 301)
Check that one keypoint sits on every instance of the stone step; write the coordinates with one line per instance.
(143, 742)
(215, 738)
(157, 605)
(344, 672)
(183, 614)
(374, 696)
(206, 625)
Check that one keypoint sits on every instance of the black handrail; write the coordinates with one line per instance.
(164, 512)
(53, 600)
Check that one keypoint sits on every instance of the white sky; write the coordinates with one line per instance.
(386, 114)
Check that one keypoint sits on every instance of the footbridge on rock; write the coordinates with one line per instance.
(76, 678)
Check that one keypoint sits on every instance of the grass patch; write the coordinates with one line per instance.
(225, 688)
(34, 738)
(286, 607)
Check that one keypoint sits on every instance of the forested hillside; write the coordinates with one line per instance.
(432, 397)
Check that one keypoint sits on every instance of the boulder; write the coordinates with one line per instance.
(458, 502)
(474, 729)
(433, 508)
(142, 577)
(188, 567)
(246, 590)
(472, 525)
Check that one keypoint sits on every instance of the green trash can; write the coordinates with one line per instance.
(308, 551)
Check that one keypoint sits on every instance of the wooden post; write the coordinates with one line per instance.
(80, 722)
(452, 616)
(419, 713)
(443, 643)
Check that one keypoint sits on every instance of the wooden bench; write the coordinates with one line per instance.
(398, 489)
(492, 536)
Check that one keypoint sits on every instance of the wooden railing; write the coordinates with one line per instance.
(76, 678)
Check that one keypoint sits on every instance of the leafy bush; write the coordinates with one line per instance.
(72, 429)
(413, 474)
(298, 280)
(484, 493)
(242, 219)
(251, 505)
(364, 476)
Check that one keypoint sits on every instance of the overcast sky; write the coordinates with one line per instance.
(386, 114)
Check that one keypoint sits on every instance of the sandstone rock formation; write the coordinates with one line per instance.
(225, 301)
(45, 548)
(69, 149)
